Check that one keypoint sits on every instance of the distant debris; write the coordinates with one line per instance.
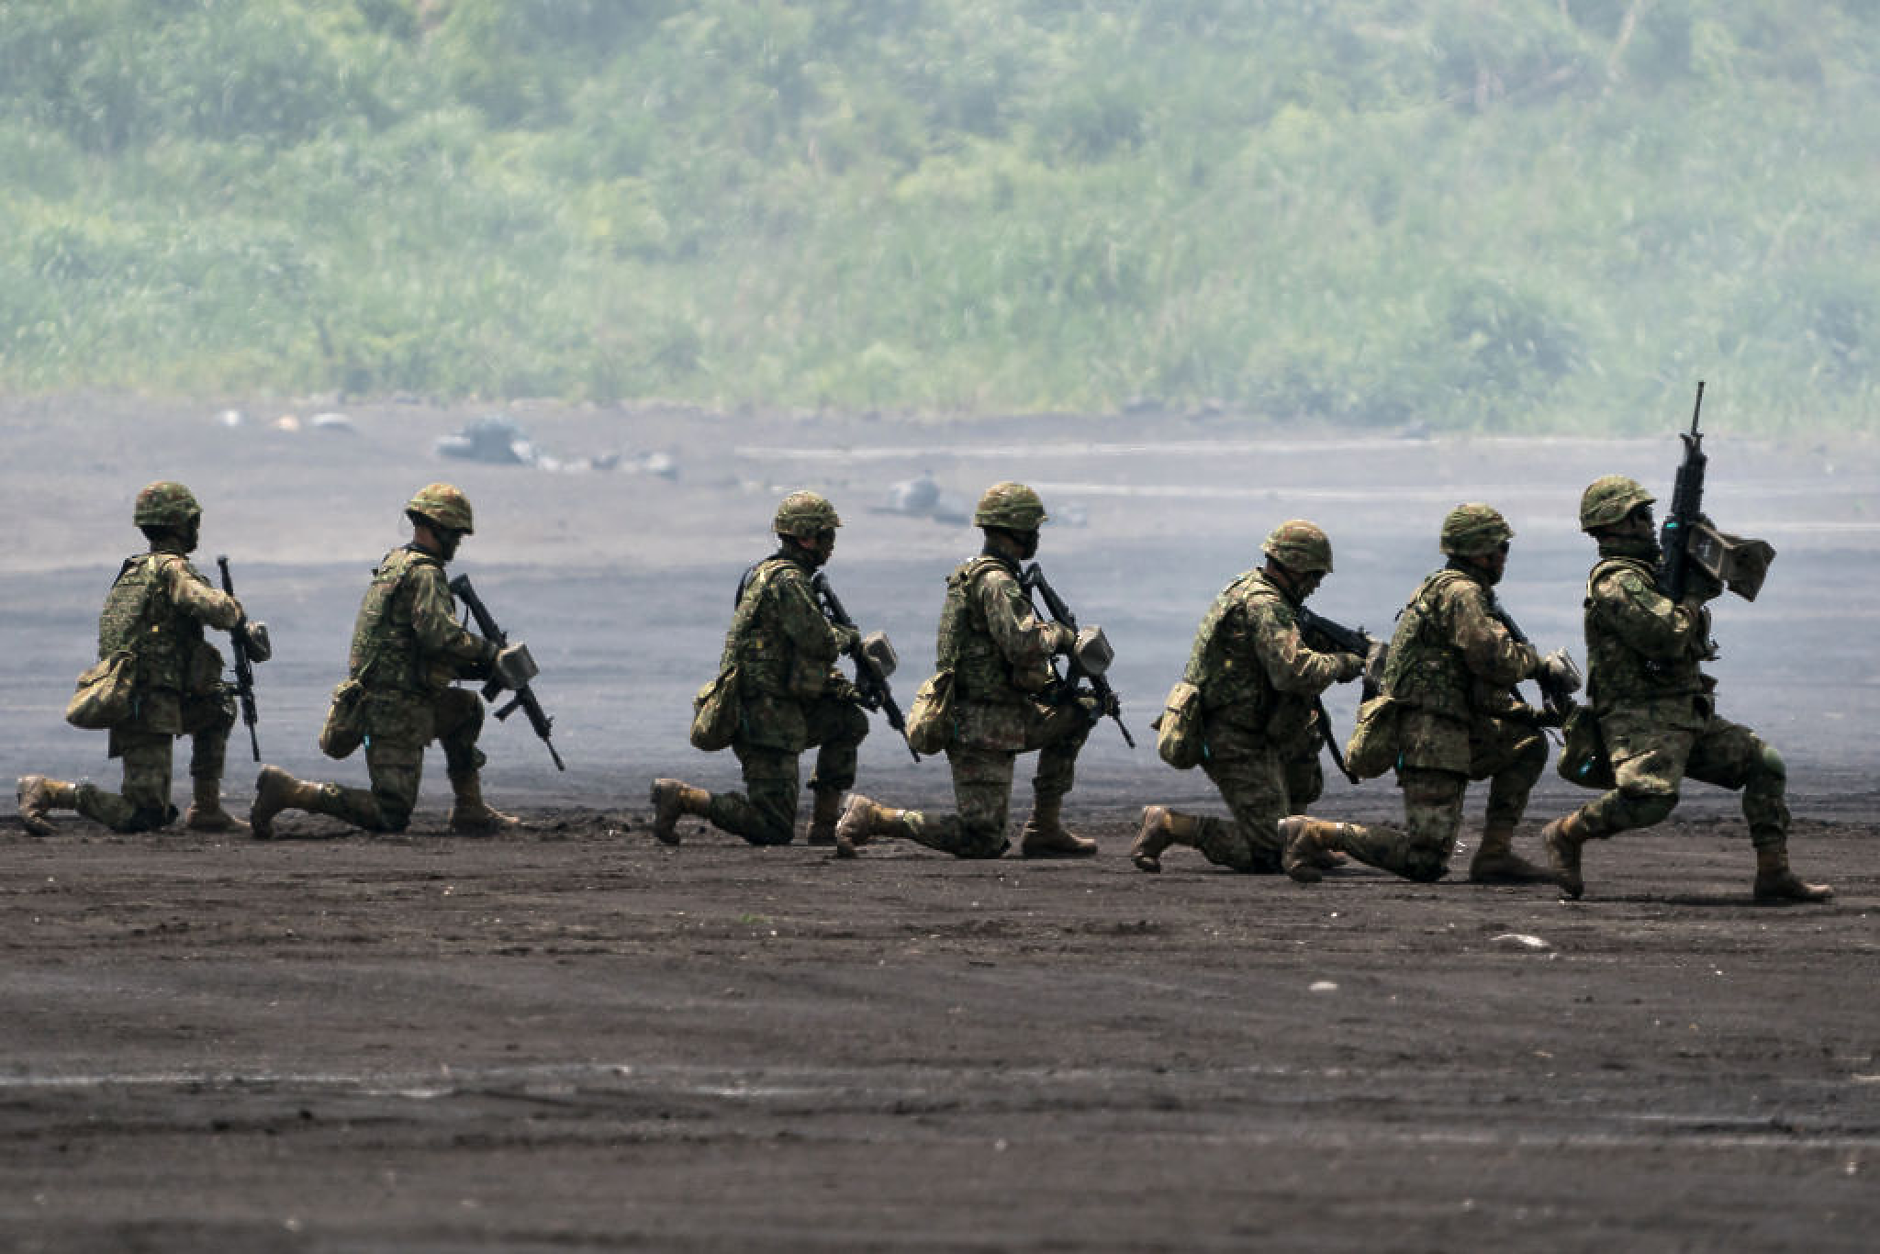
(231, 418)
(495, 439)
(923, 497)
(664, 465)
(331, 421)
(287, 423)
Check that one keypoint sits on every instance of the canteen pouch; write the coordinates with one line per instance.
(930, 718)
(716, 711)
(1372, 749)
(1583, 758)
(1179, 738)
(104, 692)
(345, 727)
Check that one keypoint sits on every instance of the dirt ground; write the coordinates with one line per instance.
(576, 1038)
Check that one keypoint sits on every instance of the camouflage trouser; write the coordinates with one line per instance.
(765, 812)
(1432, 802)
(144, 804)
(1650, 759)
(398, 727)
(1261, 785)
(982, 780)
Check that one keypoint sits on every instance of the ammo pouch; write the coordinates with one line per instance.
(1583, 759)
(930, 718)
(717, 711)
(1179, 735)
(104, 696)
(345, 727)
(1372, 749)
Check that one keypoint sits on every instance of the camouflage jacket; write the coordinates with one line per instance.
(406, 638)
(991, 638)
(1256, 675)
(157, 608)
(1642, 648)
(785, 649)
(1451, 655)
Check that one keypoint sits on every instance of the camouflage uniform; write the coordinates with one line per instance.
(792, 696)
(1000, 653)
(1453, 666)
(157, 608)
(1657, 716)
(1259, 685)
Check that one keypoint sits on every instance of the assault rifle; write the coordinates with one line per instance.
(1090, 657)
(1345, 640)
(874, 658)
(517, 667)
(1557, 684)
(249, 644)
(1686, 539)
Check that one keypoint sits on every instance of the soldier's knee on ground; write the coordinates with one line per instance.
(1424, 865)
(1770, 766)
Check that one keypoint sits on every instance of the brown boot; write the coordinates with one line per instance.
(863, 820)
(205, 813)
(470, 815)
(38, 796)
(1044, 836)
(1562, 840)
(826, 808)
(1775, 882)
(276, 790)
(1161, 827)
(1496, 862)
(672, 801)
(1308, 847)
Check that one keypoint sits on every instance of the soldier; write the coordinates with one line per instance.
(1008, 699)
(1452, 668)
(1656, 712)
(792, 695)
(408, 650)
(157, 609)
(1260, 684)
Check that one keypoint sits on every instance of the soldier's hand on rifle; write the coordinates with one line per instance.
(846, 637)
(1701, 585)
(842, 689)
(1062, 639)
(1558, 672)
(254, 636)
(1350, 666)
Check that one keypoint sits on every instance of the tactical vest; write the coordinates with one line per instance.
(764, 653)
(385, 652)
(965, 644)
(1223, 667)
(1424, 667)
(139, 616)
(1617, 673)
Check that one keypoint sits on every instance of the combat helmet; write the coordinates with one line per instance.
(444, 505)
(1475, 530)
(1300, 546)
(805, 514)
(1608, 499)
(1012, 506)
(165, 504)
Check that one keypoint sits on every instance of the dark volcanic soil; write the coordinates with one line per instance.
(578, 1038)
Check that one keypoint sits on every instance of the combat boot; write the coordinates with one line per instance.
(1562, 840)
(39, 796)
(1496, 862)
(205, 813)
(862, 820)
(673, 800)
(275, 791)
(825, 809)
(1044, 836)
(1308, 847)
(470, 815)
(1161, 827)
(1775, 882)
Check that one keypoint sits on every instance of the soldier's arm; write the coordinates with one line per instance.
(1025, 639)
(1282, 653)
(434, 618)
(1644, 618)
(802, 619)
(199, 598)
(1488, 648)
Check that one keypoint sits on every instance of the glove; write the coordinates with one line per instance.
(1062, 639)
(847, 638)
(1350, 666)
(1558, 673)
(843, 689)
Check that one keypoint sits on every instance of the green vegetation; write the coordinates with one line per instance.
(1549, 214)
